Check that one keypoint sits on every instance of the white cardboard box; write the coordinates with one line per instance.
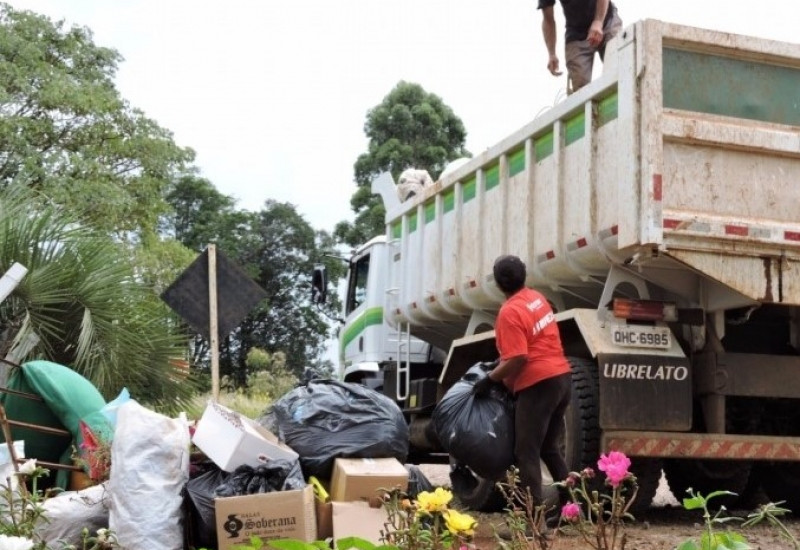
(231, 440)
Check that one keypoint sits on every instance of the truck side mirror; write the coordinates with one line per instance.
(319, 285)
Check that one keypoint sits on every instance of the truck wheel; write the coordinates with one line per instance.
(648, 476)
(706, 476)
(583, 434)
(475, 492)
(781, 481)
(582, 445)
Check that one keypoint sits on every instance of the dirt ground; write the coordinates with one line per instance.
(662, 527)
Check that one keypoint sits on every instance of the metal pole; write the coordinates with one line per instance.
(213, 330)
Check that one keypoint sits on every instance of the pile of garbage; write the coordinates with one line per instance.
(161, 487)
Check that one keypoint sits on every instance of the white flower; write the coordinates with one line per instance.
(15, 543)
(102, 535)
(27, 469)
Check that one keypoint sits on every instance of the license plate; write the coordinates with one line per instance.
(641, 336)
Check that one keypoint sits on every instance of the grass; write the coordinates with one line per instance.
(251, 405)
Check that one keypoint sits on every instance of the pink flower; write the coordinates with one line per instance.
(571, 511)
(615, 465)
(572, 480)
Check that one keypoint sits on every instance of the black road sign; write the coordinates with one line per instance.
(237, 294)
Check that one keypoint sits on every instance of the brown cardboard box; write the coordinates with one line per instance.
(278, 515)
(358, 519)
(231, 439)
(324, 519)
(361, 478)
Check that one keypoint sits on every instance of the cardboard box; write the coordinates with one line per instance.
(324, 519)
(231, 440)
(358, 519)
(277, 515)
(361, 478)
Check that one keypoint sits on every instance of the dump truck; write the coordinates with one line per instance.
(658, 211)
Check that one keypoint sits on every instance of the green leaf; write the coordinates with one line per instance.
(358, 543)
(688, 545)
(291, 544)
(694, 503)
(719, 494)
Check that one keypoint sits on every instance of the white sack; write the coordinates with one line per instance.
(149, 467)
(67, 514)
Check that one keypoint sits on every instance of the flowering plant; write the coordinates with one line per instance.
(595, 516)
(22, 510)
(600, 518)
(426, 523)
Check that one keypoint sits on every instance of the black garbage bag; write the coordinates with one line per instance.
(199, 496)
(418, 482)
(328, 419)
(276, 475)
(477, 431)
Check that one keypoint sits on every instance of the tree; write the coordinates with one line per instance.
(278, 249)
(200, 215)
(66, 132)
(83, 302)
(283, 250)
(410, 128)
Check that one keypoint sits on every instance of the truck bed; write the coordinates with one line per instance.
(681, 162)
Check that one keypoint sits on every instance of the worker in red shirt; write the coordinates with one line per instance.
(533, 367)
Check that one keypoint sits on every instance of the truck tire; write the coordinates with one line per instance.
(706, 476)
(583, 434)
(781, 482)
(582, 445)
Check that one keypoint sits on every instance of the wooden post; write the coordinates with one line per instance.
(213, 329)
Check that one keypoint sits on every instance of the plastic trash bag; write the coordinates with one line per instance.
(67, 514)
(110, 409)
(417, 481)
(276, 475)
(200, 495)
(150, 454)
(477, 431)
(329, 419)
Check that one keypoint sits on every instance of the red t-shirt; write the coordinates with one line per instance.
(527, 326)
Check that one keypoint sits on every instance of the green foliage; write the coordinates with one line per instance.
(278, 249)
(22, 511)
(711, 539)
(410, 128)
(201, 215)
(83, 302)
(771, 513)
(66, 132)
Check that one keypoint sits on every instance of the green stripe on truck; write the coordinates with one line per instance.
(607, 109)
(516, 162)
(543, 145)
(492, 177)
(371, 316)
(575, 128)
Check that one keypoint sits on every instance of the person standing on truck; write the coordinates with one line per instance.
(533, 367)
(590, 25)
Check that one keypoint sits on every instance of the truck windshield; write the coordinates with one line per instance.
(357, 286)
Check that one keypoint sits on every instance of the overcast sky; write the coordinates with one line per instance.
(273, 94)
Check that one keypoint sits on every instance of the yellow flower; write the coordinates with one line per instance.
(460, 524)
(434, 502)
